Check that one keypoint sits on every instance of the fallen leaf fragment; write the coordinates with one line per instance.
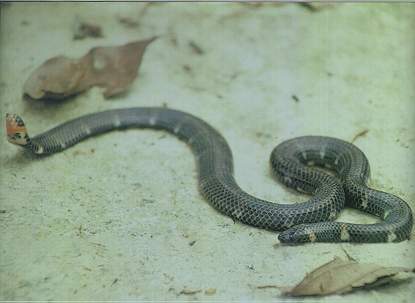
(210, 291)
(315, 7)
(113, 68)
(270, 286)
(57, 78)
(128, 22)
(196, 48)
(84, 30)
(187, 291)
(359, 134)
(339, 276)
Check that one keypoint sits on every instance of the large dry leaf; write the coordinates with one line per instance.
(339, 276)
(113, 68)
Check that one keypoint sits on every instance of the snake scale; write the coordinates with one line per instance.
(296, 163)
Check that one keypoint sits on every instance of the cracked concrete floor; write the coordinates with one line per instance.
(119, 216)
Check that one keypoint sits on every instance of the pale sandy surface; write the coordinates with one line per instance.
(119, 216)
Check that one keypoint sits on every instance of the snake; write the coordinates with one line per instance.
(333, 172)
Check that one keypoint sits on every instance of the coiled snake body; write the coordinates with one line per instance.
(292, 162)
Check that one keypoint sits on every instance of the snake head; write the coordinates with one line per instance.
(297, 234)
(16, 130)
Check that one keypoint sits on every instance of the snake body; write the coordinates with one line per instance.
(292, 162)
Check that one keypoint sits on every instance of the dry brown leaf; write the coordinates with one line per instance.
(187, 291)
(339, 276)
(359, 134)
(113, 68)
(315, 7)
(128, 22)
(85, 29)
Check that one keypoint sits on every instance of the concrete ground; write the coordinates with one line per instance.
(119, 217)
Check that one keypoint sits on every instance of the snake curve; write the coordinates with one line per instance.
(292, 162)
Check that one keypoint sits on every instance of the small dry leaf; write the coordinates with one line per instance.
(113, 68)
(210, 291)
(128, 22)
(187, 291)
(315, 7)
(196, 48)
(85, 29)
(359, 134)
(339, 276)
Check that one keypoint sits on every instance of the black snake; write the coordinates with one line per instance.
(292, 162)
